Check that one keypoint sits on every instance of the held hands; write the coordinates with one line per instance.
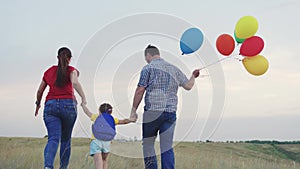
(196, 73)
(83, 104)
(133, 118)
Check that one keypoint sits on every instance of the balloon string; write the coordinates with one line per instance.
(218, 61)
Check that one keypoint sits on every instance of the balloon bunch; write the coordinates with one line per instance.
(251, 47)
(245, 29)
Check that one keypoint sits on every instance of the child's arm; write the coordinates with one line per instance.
(125, 121)
(86, 110)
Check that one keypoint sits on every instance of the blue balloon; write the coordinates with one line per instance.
(191, 40)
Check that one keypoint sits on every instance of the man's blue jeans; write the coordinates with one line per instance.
(164, 123)
(59, 117)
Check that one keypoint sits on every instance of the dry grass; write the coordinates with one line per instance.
(27, 153)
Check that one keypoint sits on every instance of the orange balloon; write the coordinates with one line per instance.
(225, 44)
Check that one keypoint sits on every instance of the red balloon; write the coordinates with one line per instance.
(252, 46)
(225, 44)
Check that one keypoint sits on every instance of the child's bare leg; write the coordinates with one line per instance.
(105, 160)
(98, 161)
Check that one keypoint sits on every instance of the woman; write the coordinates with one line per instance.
(60, 110)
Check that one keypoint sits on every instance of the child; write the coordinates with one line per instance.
(99, 149)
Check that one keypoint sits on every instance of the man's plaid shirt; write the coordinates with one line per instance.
(161, 80)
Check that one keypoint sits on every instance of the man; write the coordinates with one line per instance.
(160, 80)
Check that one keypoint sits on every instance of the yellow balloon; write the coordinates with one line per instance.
(246, 27)
(256, 65)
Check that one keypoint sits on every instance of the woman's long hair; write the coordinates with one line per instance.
(64, 56)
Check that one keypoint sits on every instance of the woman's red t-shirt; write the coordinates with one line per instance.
(65, 92)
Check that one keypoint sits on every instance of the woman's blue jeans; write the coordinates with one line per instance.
(164, 123)
(59, 117)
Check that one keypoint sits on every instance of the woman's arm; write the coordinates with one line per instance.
(77, 86)
(39, 96)
(86, 110)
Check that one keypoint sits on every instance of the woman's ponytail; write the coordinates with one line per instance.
(64, 56)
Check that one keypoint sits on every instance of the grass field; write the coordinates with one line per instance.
(27, 153)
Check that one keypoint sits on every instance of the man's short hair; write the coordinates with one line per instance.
(152, 50)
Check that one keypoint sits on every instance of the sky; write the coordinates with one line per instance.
(107, 41)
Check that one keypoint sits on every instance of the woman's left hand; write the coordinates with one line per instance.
(37, 110)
